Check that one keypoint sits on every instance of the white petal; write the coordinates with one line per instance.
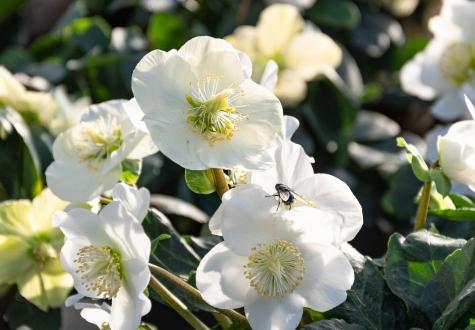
(410, 77)
(328, 275)
(78, 183)
(291, 87)
(127, 310)
(220, 278)
(292, 166)
(246, 64)
(291, 124)
(195, 49)
(248, 218)
(269, 77)
(126, 233)
(73, 300)
(137, 275)
(136, 201)
(80, 224)
(266, 313)
(96, 316)
(135, 114)
(449, 107)
(470, 106)
(311, 53)
(160, 83)
(330, 194)
(276, 27)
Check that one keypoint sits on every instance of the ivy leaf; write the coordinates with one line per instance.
(131, 169)
(412, 263)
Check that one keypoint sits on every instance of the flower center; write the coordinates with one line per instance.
(100, 270)
(458, 63)
(275, 269)
(212, 113)
(95, 141)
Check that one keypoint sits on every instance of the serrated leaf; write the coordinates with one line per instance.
(200, 182)
(442, 182)
(412, 263)
(131, 169)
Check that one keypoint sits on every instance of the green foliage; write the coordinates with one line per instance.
(166, 31)
(418, 164)
(200, 182)
(463, 210)
(336, 13)
(22, 313)
(131, 169)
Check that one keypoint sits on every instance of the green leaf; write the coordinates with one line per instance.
(131, 169)
(461, 201)
(460, 214)
(335, 13)
(200, 182)
(22, 313)
(174, 253)
(87, 33)
(418, 164)
(166, 31)
(412, 263)
(157, 240)
(442, 182)
(437, 201)
(370, 303)
(333, 324)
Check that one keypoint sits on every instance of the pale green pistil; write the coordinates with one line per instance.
(213, 114)
(276, 269)
(458, 63)
(100, 270)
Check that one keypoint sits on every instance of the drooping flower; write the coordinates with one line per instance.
(40, 105)
(29, 250)
(273, 263)
(107, 254)
(88, 156)
(322, 192)
(445, 69)
(136, 201)
(457, 151)
(202, 108)
(301, 51)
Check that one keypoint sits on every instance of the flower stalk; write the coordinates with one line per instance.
(220, 181)
(231, 314)
(423, 208)
(177, 304)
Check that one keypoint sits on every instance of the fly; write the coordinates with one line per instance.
(287, 196)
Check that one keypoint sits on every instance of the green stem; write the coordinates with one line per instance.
(423, 208)
(232, 314)
(177, 305)
(223, 320)
(220, 181)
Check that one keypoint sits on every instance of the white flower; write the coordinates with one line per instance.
(457, 151)
(107, 254)
(322, 192)
(68, 112)
(271, 263)
(88, 156)
(203, 110)
(445, 70)
(301, 52)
